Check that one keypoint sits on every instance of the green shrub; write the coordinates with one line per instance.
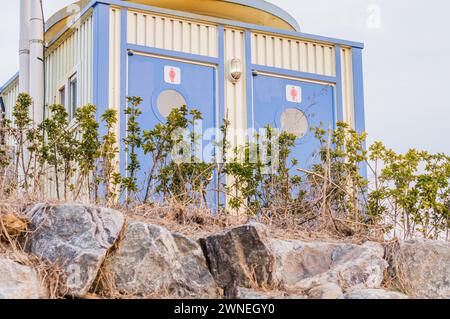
(406, 194)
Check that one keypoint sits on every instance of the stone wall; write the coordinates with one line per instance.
(98, 251)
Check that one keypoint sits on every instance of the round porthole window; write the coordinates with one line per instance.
(294, 121)
(169, 100)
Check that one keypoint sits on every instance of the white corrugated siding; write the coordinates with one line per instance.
(293, 54)
(348, 103)
(114, 65)
(114, 60)
(235, 93)
(73, 54)
(172, 34)
(10, 97)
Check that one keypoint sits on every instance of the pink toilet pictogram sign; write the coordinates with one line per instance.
(172, 75)
(293, 94)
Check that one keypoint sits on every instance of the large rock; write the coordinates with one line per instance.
(246, 293)
(326, 291)
(306, 265)
(20, 282)
(374, 294)
(422, 268)
(76, 238)
(150, 259)
(241, 256)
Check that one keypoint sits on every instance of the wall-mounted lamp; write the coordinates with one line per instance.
(235, 70)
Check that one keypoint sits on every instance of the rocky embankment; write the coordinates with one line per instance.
(98, 251)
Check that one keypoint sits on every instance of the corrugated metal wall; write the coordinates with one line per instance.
(348, 103)
(293, 54)
(172, 34)
(114, 61)
(115, 36)
(10, 97)
(235, 93)
(72, 53)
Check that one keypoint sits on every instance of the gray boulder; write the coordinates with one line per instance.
(150, 259)
(374, 294)
(326, 291)
(76, 238)
(241, 256)
(20, 282)
(306, 265)
(246, 293)
(422, 268)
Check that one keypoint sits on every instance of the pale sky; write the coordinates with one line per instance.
(406, 60)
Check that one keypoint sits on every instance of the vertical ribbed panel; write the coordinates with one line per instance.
(10, 96)
(63, 59)
(172, 34)
(114, 57)
(235, 94)
(348, 103)
(115, 39)
(72, 53)
(293, 54)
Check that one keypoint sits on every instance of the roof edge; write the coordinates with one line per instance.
(257, 4)
(9, 82)
(92, 3)
(270, 8)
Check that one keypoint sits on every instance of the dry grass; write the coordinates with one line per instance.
(198, 222)
(189, 221)
(13, 230)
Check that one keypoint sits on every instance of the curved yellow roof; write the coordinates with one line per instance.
(249, 11)
(257, 12)
(59, 20)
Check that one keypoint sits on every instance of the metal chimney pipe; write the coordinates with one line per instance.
(37, 60)
(24, 47)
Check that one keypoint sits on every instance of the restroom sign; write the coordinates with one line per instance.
(293, 94)
(172, 75)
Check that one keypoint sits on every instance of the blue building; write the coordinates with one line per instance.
(244, 59)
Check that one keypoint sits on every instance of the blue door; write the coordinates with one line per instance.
(165, 84)
(294, 106)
